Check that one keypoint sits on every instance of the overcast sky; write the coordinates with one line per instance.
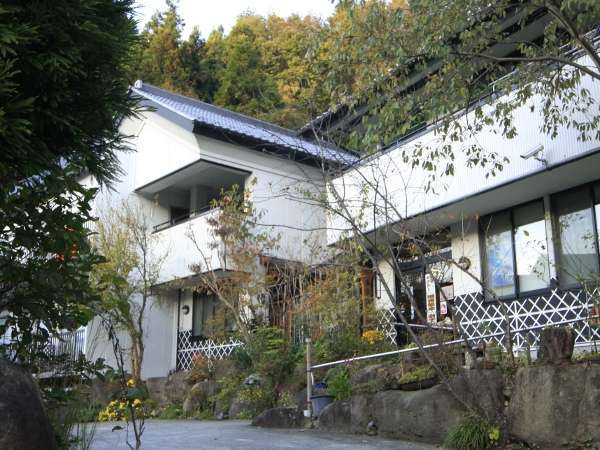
(208, 15)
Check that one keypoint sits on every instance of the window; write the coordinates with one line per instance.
(577, 216)
(203, 312)
(516, 250)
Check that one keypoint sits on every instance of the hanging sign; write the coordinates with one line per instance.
(430, 296)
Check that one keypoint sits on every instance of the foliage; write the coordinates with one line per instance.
(418, 374)
(241, 245)
(120, 409)
(171, 412)
(62, 84)
(200, 371)
(338, 383)
(473, 433)
(258, 398)
(450, 43)
(125, 279)
(373, 337)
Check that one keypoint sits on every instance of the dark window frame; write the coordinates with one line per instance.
(556, 229)
(517, 294)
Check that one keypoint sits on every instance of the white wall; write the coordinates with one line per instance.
(466, 242)
(160, 339)
(404, 186)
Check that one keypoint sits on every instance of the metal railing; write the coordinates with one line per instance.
(451, 342)
(182, 218)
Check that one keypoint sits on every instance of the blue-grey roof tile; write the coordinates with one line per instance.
(229, 121)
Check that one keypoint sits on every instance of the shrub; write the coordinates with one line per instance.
(258, 398)
(417, 374)
(473, 433)
(338, 383)
(201, 370)
(171, 412)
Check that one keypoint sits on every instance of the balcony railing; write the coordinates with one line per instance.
(189, 245)
(182, 218)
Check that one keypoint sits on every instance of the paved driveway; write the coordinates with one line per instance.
(238, 434)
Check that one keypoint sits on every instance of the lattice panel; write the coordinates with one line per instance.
(478, 318)
(188, 349)
(385, 324)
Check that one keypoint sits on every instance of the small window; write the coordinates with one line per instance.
(516, 250)
(576, 214)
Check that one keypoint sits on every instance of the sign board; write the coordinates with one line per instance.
(430, 298)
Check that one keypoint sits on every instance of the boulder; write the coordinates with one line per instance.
(198, 396)
(25, 424)
(556, 345)
(279, 418)
(336, 417)
(425, 415)
(240, 409)
(167, 390)
(375, 378)
(482, 389)
(553, 406)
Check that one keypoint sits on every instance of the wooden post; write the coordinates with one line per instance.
(308, 378)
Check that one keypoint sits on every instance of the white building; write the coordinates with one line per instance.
(185, 153)
(528, 234)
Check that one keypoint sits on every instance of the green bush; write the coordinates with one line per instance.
(171, 412)
(338, 383)
(473, 433)
(417, 374)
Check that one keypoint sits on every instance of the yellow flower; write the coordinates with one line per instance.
(373, 336)
(122, 405)
(137, 403)
(131, 382)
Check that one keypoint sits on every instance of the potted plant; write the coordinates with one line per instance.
(419, 378)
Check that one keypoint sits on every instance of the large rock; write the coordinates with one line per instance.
(168, 390)
(279, 418)
(483, 390)
(556, 345)
(239, 409)
(427, 415)
(197, 398)
(376, 377)
(551, 406)
(336, 417)
(23, 420)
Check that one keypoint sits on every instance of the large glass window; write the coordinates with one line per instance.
(577, 216)
(516, 250)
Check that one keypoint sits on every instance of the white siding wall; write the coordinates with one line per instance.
(385, 301)
(405, 186)
(466, 242)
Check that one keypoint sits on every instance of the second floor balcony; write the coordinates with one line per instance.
(184, 208)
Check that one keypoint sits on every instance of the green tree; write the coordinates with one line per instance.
(462, 47)
(243, 84)
(63, 88)
(125, 279)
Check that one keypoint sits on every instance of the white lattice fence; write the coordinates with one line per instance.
(189, 348)
(385, 323)
(478, 317)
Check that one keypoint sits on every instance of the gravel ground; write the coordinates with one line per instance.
(238, 434)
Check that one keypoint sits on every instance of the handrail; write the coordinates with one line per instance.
(183, 218)
(452, 342)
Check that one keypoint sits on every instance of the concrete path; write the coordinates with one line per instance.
(238, 434)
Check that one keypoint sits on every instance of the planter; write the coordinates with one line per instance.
(418, 385)
(319, 402)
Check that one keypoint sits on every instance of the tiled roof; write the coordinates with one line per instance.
(267, 134)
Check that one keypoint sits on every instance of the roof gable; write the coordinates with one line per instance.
(253, 133)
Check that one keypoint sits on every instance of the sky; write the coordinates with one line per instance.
(208, 15)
